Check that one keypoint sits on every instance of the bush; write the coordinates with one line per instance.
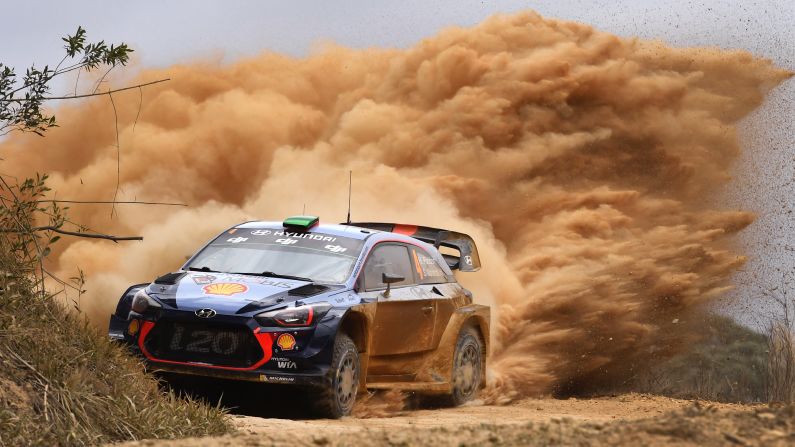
(729, 364)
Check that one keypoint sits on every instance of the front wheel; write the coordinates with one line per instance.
(467, 366)
(338, 392)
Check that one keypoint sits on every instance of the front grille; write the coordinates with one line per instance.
(215, 344)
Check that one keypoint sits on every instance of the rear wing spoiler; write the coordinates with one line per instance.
(467, 259)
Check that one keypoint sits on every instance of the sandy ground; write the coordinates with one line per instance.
(630, 406)
(631, 419)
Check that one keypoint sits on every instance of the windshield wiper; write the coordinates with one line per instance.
(277, 275)
(202, 269)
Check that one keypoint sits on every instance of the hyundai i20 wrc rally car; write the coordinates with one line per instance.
(336, 308)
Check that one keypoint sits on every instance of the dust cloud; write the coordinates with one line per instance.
(583, 164)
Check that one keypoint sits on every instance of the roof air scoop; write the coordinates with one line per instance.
(300, 223)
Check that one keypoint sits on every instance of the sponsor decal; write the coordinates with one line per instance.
(224, 288)
(265, 378)
(315, 237)
(261, 232)
(468, 260)
(283, 363)
(335, 248)
(237, 240)
(417, 264)
(341, 299)
(286, 342)
(286, 365)
(286, 241)
(258, 280)
(203, 279)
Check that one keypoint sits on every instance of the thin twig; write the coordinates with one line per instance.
(123, 202)
(60, 281)
(118, 156)
(80, 227)
(102, 79)
(77, 80)
(32, 237)
(46, 415)
(86, 235)
(50, 98)
(140, 104)
(74, 233)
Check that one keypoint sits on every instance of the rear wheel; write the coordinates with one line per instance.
(338, 392)
(467, 366)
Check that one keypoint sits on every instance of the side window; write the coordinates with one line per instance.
(387, 258)
(428, 270)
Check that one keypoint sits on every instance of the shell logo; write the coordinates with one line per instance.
(225, 288)
(286, 342)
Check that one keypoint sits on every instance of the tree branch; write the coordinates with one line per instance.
(77, 234)
(49, 98)
(128, 202)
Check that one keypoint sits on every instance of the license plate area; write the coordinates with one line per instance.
(220, 345)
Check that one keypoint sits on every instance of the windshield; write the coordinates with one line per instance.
(315, 256)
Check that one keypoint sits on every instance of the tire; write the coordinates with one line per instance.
(338, 391)
(468, 367)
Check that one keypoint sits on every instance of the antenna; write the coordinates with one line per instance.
(303, 213)
(350, 183)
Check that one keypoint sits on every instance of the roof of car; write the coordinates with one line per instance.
(330, 229)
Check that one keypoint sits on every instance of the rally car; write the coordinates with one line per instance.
(336, 308)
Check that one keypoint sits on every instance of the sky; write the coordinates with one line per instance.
(164, 33)
(178, 31)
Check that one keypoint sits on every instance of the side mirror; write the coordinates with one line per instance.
(389, 279)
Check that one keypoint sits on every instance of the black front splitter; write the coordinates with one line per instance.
(249, 376)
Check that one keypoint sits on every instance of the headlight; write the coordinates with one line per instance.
(142, 302)
(294, 316)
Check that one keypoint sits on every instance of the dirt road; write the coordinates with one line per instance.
(650, 420)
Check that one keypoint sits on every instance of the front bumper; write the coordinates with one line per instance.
(304, 362)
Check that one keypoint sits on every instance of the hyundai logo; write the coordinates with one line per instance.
(205, 313)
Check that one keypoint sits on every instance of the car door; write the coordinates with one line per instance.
(438, 288)
(404, 320)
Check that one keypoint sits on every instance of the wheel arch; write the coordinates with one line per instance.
(481, 326)
(440, 362)
(125, 301)
(356, 325)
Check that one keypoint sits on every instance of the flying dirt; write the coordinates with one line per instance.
(583, 165)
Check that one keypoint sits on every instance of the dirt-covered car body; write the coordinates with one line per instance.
(259, 323)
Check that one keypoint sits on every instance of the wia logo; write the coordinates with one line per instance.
(286, 365)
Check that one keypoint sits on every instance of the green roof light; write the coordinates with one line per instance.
(301, 222)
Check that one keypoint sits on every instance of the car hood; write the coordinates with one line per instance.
(230, 293)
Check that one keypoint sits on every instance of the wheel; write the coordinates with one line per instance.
(338, 392)
(467, 367)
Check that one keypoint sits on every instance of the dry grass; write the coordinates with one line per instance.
(781, 364)
(63, 383)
